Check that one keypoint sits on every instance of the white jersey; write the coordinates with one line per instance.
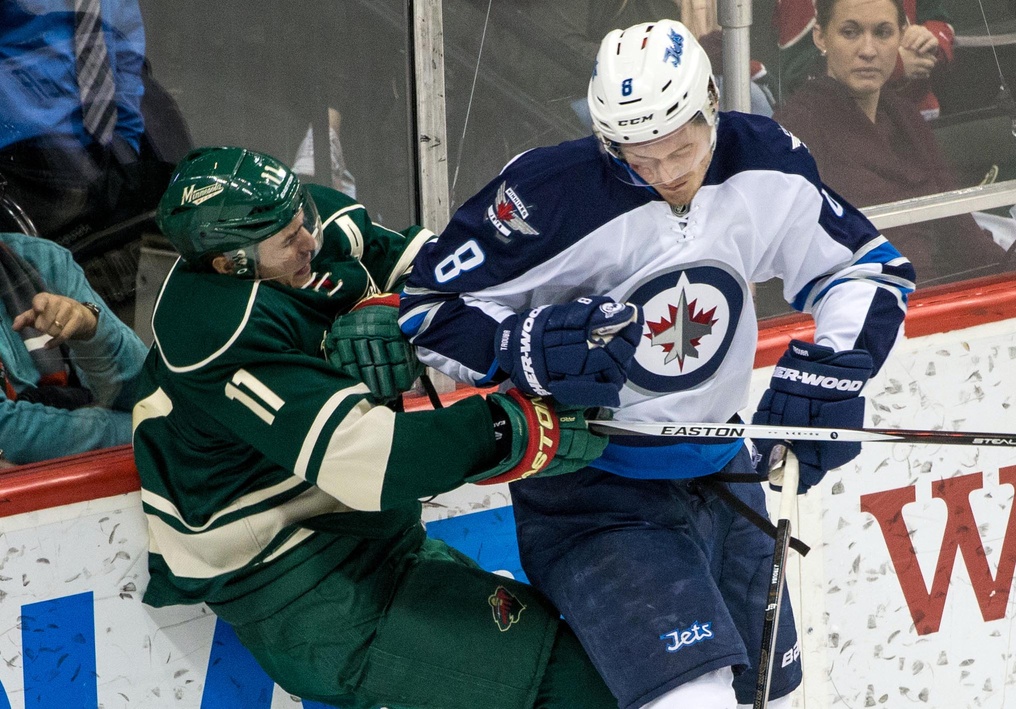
(565, 221)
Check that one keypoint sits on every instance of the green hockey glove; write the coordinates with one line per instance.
(539, 438)
(366, 343)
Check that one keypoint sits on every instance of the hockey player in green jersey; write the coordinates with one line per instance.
(281, 492)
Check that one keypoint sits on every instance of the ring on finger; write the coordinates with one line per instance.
(59, 325)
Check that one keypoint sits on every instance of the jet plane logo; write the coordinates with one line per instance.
(691, 317)
(508, 214)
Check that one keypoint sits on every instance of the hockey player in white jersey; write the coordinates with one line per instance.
(615, 271)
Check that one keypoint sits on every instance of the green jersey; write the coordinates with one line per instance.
(258, 460)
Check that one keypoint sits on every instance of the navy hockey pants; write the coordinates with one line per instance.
(660, 579)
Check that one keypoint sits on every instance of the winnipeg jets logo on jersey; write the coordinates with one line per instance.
(678, 639)
(681, 335)
(508, 214)
(691, 316)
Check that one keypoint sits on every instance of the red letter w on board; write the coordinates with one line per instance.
(960, 534)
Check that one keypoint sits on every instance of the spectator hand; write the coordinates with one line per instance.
(367, 344)
(919, 39)
(536, 438)
(58, 316)
(577, 352)
(813, 385)
(919, 52)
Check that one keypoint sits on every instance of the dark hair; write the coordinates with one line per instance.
(824, 12)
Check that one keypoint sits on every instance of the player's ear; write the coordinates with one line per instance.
(222, 264)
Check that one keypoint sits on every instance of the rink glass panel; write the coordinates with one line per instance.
(326, 86)
(516, 77)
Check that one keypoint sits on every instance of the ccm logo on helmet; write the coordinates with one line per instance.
(635, 121)
(817, 380)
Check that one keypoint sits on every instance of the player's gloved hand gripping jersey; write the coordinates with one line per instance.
(577, 352)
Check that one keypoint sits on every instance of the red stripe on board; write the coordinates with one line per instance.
(90, 476)
(63, 481)
(932, 310)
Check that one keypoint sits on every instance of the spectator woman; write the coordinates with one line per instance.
(68, 366)
(872, 146)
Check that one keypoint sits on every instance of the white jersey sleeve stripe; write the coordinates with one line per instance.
(405, 261)
(351, 469)
(229, 547)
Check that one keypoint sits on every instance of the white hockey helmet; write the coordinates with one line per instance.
(648, 81)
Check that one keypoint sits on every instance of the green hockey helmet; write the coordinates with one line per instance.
(226, 200)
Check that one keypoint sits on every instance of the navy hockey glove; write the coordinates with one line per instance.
(576, 352)
(367, 344)
(537, 438)
(813, 385)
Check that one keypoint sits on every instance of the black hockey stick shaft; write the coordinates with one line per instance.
(778, 579)
(804, 433)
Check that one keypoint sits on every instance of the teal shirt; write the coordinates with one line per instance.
(108, 365)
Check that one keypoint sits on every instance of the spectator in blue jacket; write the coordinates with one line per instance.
(71, 130)
(68, 366)
(47, 146)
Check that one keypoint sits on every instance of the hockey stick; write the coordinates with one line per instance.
(788, 477)
(804, 433)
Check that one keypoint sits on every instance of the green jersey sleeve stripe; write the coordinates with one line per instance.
(321, 421)
(295, 539)
(204, 555)
(354, 462)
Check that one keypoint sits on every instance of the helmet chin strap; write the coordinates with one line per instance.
(246, 267)
(249, 271)
(245, 262)
(635, 177)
